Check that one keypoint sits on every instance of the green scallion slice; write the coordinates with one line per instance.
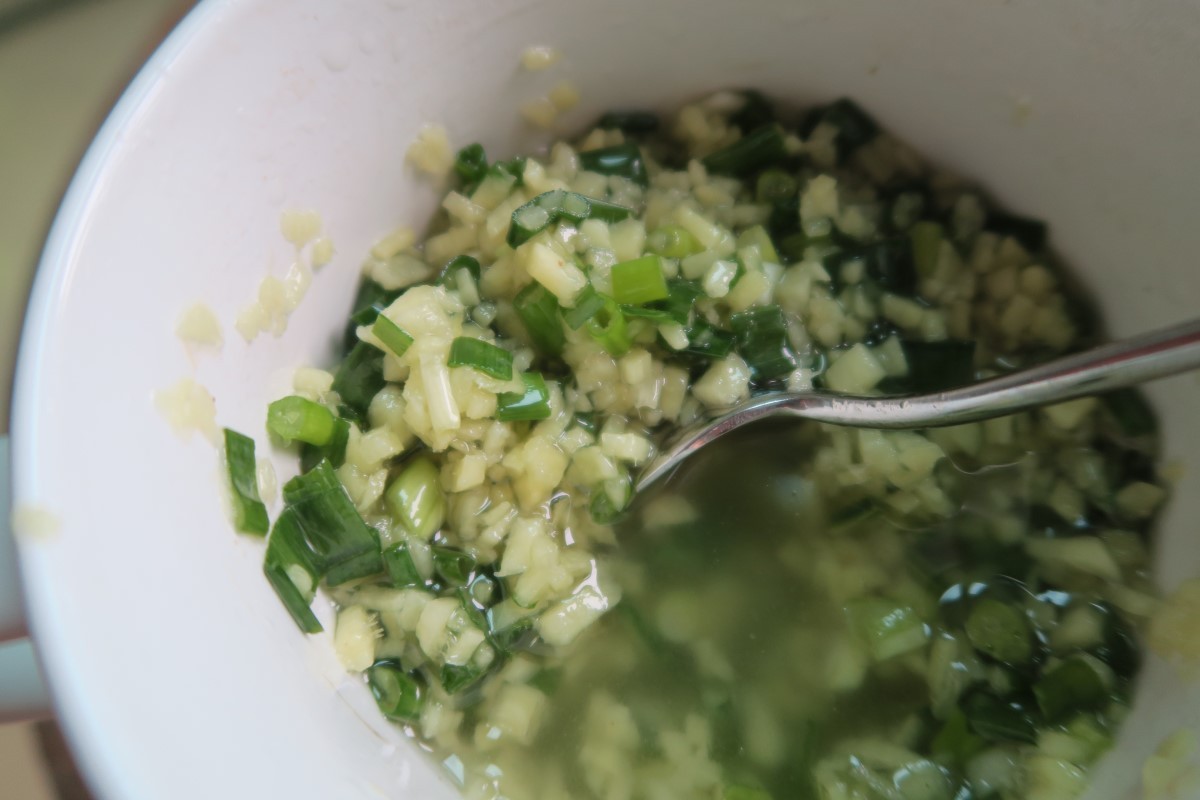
(672, 241)
(639, 281)
(456, 678)
(400, 695)
(333, 530)
(401, 569)
(655, 315)
(926, 238)
(448, 276)
(334, 450)
(298, 419)
(761, 148)
(608, 328)
(1080, 683)
(471, 163)
(937, 366)
(606, 211)
(1031, 233)
(609, 500)
(587, 305)
(624, 160)
(998, 721)
(454, 567)
(1000, 631)
(538, 310)
(466, 351)
(630, 122)
(370, 301)
(289, 568)
(708, 342)
(249, 513)
(392, 335)
(762, 341)
(775, 186)
(550, 207)
(954, 743)
(360, 376)
(415, 498)
(1131, 411)
(532, 404)
(681, 299)
(745, 793)
(854, 126)
(755, 112)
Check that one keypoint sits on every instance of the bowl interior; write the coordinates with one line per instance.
(176, 671)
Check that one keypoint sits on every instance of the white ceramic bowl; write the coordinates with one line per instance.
(172, 666)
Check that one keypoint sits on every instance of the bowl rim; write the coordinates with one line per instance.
(75, 712)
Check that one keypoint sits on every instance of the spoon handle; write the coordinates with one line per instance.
(1127, 362)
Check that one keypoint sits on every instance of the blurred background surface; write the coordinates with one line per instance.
(63, 63)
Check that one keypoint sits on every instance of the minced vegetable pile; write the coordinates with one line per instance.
(809, 611)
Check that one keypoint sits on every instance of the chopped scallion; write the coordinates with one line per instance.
(370, 301)
(289, 568)
(471, 163)
(360, 376)
(249, 513)
(587, 304)
(887, 628)
(415, 498)
(758, 149)
(955, 743)
(1076, 684)
(538, 310)
(334, 450)
(708, 342)
(448, 276)
(514, 167)
(454, 567)
(550, 207)
(639, 281)
(889, 263)
(681, 299)
(456, 678)
(609, 500)
(1132, 413)
(298, 419)
(392, 335)
(332, 528)
(486, 357)
(532, 404)
(655, 315)
(1000, 631)
(401, 569)
(745, 793)
(608, 328)
(1031, 233)
(762, 341)
(998, 721)
(755, 112)
(631, 122)
(854, 126)
(624, 160)
(399, 694)
(672, 241)
(775, 186)
(938, 366)
(926, 238)
(606, 211)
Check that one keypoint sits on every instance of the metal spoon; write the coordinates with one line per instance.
(1145, 357)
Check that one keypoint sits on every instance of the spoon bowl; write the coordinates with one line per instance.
(1137, 359)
